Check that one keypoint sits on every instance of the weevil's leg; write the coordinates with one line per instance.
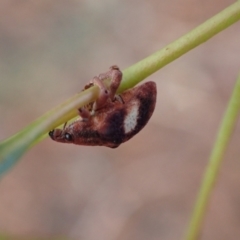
(116, 78)
(103, 94)
(84, 114)
(115, 75)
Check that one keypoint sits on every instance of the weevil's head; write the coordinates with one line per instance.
(86, 136)
(61, 135)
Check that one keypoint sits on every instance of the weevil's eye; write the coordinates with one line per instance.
(68, 137)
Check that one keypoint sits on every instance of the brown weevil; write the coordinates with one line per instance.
(112, 119)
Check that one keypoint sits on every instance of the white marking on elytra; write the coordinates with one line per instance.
(130, 120)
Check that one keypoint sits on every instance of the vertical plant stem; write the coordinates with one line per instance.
(224, 135)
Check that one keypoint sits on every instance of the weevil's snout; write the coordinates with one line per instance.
(55, 134)
(51, 134)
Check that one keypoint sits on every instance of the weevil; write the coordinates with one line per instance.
(112, 119)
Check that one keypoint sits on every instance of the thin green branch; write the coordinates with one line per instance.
(12, 148)
(197, 36)
(219, 149)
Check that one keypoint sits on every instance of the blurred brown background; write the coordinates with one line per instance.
(146, 188)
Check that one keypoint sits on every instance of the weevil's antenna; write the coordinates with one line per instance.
(64, 126)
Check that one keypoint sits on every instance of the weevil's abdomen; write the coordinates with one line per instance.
(130, 118)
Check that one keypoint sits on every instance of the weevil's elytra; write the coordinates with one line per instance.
(130, 120)
(115, 120)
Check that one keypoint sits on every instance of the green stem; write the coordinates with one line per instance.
(14, 147)
(197, 36)
(210, 177)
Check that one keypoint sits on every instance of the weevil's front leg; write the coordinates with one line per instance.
(115, 75)
(103, 94)
(100, 101)
(116, 78)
